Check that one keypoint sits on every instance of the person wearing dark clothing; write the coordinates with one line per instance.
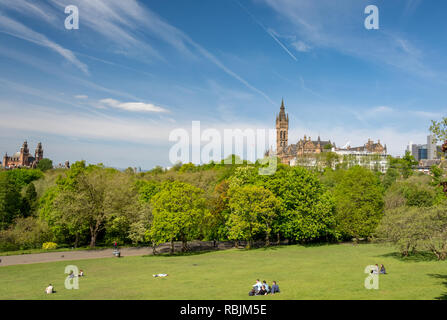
(382, 269)
(275, 288)
(262, 292)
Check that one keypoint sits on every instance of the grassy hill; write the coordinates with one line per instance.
(314, 272)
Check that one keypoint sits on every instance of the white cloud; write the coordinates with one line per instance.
(24, 7)
(339, 25)
(301, 46)
(81, 96)
(132, 106)
(17, 29)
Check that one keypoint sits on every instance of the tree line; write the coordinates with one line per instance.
(95, 205)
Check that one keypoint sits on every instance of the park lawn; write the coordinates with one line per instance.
(302, 272)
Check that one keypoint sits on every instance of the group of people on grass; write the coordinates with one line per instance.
(50, 288)
(262, 288)
(378, 270)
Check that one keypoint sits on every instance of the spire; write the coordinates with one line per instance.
(282, 112)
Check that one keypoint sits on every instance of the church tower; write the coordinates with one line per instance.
(38, 154)
(24, 154)
(282, 128)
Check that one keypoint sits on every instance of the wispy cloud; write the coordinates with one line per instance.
(301, 46)
(274, 35)
(269, 31)
(31, 9)
(132, 106)
(338, 25)
(17, 29)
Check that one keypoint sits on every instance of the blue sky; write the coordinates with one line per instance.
(114, 89)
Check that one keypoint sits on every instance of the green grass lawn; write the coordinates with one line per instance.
(314, 272)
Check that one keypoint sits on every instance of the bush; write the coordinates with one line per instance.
(49, 245)
(25, 233)
(413, 192)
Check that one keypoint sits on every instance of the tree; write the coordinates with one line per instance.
(29, 200)
(405, 164)
(253, 210)
(416, 191)
(307, 211)
(410, 228)
(93, 196)
(439, 129)
(178, 211)
(10, 200)
(214, 227)
(400, 226)
(359, 202)
(45, 164)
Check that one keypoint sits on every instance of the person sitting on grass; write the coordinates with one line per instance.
(262, 292)
(375, 270)
(81, 273)
(266, 286)
(257, 286)
(382, 269)
(252, 292)
(49, 289)
(275, 288)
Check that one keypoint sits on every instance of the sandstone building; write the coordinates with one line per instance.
(23, 158)
(288, 153)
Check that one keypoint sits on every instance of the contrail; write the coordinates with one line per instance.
(270, 32)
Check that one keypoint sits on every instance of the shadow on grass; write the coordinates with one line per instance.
(179, 254)
(415, 257)
(441, 277)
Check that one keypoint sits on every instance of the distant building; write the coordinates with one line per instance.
(23, 158)
(425, 165)
(311, 153)
(371, 155)
(428, 151)
(288, 153)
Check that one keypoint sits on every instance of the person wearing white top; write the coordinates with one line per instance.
(49, 289)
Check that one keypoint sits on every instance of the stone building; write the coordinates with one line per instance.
(23, 158)
(288, 153)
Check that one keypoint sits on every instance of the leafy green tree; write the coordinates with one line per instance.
(390, 177)
(10, 200)
(405, 165)
(439, 129)
(253, 210)
(416, 191)
(22, 177)
(45, 164)
(29, 201)
(178, 211)
(359, 203)
(214, 227)
(307, 211)
(401, 227)
(147, 189)
(188, 167)
(412, 228)
(93, 196)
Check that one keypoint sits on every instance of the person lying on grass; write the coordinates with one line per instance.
(160, 275)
